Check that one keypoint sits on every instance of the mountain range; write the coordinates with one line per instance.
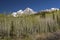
(31, 11)
(26, 11)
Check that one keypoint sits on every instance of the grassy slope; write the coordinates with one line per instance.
(30, 25)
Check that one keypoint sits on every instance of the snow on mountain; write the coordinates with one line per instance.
(54, 9)
(49, 10)
(20, 11)
(14, 14)
(26, 11)
(29, 11)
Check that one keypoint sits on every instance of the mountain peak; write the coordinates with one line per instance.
(49, 10)
(54, 8)
(20, 11)
(29, 11)
(28, 8)
(14, 14)
(26, 11)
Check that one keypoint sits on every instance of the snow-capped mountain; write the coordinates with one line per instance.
(29, 11)
(26, 11)
(20, 11)
(14, 14)
(54, 8)
(49, 10)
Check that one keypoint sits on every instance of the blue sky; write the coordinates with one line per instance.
(15, 5)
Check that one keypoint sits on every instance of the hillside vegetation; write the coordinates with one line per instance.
(29, 27)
